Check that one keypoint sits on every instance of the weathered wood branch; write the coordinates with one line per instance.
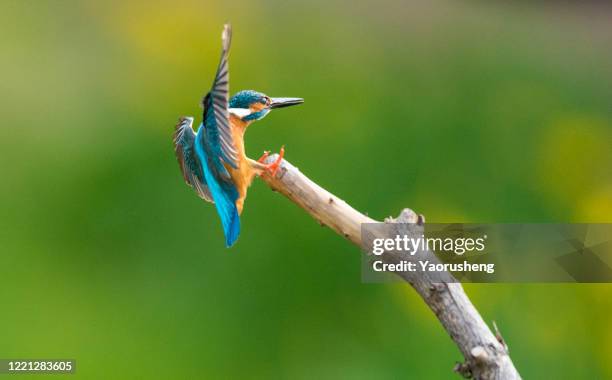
(486, 355)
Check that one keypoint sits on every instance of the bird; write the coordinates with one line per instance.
(213, 159)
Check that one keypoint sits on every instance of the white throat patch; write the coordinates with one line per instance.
(240, 112)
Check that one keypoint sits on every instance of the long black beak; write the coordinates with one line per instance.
(285, 102)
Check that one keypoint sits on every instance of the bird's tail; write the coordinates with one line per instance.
(225, 195)
(228, 212)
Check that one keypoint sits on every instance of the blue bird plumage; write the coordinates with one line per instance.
(213, 161)
(223, 192)
(203, 156)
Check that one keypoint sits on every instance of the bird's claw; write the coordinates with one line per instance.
(263, 157)
(272, 168)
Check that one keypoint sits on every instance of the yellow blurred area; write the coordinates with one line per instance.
(574, 164)
(157, 28)
(596, 206)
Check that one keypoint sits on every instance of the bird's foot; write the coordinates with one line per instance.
(273, 167)
(263, 157)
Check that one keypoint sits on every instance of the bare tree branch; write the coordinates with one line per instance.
(486, 357)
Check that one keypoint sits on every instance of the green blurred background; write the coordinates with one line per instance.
(464, 111)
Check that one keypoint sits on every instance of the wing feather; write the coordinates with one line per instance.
(184, 138)
(216, 113)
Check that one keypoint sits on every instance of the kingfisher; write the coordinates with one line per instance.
(213, 159)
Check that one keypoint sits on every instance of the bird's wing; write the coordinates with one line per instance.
(218, 136)
(184, 149)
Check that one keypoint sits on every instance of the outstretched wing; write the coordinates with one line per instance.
(184, 138)
(218, 137)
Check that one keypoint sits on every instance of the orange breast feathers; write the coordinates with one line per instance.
(244, 175)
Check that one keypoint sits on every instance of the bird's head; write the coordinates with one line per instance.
(249, 105)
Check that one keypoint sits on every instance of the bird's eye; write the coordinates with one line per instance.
(268, 101)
